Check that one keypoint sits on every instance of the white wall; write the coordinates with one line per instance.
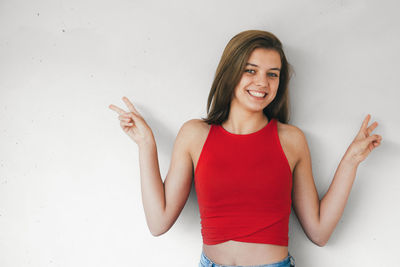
(69, 176)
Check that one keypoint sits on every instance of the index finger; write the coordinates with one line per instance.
(120, 111)
(365, 122)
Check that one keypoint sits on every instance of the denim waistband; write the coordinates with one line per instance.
(286, 262)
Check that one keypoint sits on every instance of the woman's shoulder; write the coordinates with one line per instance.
(194, 129)
(293, 142)
(193, 134)
(289, 128)
(193, 126)
(291, 134)
(195, 123)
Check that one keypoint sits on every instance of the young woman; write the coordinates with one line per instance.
(249, 165)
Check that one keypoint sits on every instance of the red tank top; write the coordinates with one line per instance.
(243, 185)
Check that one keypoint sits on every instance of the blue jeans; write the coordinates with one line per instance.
(286, 262)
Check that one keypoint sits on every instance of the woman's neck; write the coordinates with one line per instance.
(244, 122)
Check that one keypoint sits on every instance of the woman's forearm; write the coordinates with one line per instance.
(152, 187)
(333, 203)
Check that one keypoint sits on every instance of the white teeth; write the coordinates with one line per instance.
(256, 94)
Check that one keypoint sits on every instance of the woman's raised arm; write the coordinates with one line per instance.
(162, 203)
(320, 217)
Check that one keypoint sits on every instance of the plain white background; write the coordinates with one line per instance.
(69, 176)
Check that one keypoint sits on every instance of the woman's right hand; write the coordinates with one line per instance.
(133, 123)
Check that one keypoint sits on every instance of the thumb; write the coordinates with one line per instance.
(372, 138)
(137, 118)
(371, 141)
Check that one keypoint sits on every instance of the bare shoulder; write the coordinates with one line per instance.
(293, 133)
(195, 132)
(194, 129)
(196, 125)
(293, 141)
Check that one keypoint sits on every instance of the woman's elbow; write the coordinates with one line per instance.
(320, 241)
(157, 231)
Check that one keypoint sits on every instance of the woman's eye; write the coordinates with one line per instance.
(249, 71)
(272, 74)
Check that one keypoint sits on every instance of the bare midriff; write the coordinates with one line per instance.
(243, 253)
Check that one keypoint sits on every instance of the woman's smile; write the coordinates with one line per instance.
(259, 95)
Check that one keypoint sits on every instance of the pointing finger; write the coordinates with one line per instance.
(365, 123)
(120, 111)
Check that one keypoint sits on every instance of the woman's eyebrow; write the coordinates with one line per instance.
(251, 64)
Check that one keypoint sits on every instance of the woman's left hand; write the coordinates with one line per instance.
(363, 143)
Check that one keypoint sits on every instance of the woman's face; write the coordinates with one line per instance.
(260, 80)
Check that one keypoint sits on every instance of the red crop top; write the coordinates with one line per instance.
(243, 185)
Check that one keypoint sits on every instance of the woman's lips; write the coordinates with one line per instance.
(257, 94)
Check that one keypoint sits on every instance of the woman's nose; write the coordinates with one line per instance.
(261, 80)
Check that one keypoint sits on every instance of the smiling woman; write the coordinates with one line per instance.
(249, 165)
(260, 82)
(236, 60)
(243, 179)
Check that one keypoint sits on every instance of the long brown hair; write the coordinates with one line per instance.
(230, 70)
